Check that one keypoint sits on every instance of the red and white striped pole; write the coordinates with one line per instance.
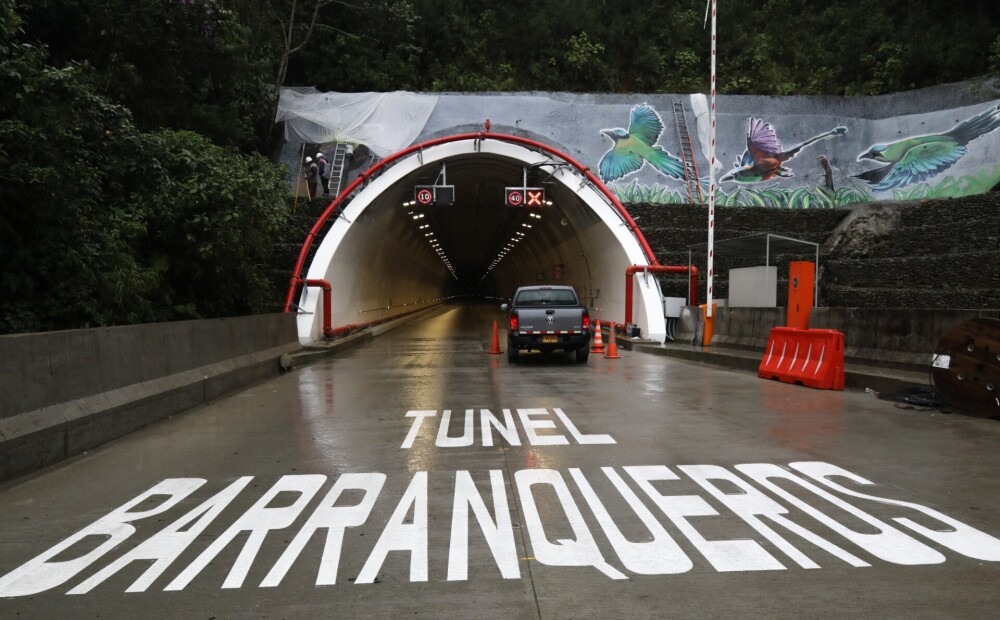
(711, 176)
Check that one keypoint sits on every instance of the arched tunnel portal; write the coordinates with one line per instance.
(384, 254)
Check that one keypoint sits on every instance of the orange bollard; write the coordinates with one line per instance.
(598, 346)
(495, 344)
(612, 353)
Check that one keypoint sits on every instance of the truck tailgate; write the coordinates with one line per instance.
(551, 319)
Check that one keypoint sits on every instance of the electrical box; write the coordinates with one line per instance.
(753, 287)
(672, 306)
(801, 290)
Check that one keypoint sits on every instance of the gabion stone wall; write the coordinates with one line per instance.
(942, 253)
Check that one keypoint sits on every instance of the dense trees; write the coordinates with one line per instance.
(131, 182)
(102, 223)
(838, 47)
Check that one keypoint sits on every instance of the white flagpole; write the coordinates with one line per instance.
(711, 173)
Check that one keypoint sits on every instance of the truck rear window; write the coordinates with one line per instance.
(546, 298)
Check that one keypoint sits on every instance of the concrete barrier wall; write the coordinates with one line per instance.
(67, 392)
(893, 338)
(739, 328)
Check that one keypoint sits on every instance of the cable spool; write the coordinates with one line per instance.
(966, 368)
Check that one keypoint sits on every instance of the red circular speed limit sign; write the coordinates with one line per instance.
(425, 196)
(515, 197)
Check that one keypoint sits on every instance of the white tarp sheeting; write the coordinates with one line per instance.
(384, 122)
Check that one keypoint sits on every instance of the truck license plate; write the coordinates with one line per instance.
(550, 339)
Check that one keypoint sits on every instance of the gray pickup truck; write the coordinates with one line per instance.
(547, 318)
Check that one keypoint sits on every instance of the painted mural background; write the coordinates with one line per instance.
(912, 167)
(789, 152)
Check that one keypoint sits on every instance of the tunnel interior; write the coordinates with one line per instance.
(386, 253)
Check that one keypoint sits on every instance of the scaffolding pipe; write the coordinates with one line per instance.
(328, 330)
(691, 270)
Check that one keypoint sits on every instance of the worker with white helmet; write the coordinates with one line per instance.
(324, 172)
(312, 177)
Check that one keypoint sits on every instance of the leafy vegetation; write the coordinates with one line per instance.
(769, 47)
(950, 187)
(800, 198)
(649, 194)
(104, 224)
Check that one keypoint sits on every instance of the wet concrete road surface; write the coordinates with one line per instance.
(418, 476)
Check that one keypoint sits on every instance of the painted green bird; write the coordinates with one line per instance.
(636, 146)
(764, 157)
(919, 158)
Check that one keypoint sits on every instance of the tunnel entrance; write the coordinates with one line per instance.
(386, 254)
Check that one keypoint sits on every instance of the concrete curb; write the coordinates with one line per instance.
(856, 376)
(36, 439)
(317, 352)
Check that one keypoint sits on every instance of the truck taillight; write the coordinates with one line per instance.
(513, 321)
(586, 320)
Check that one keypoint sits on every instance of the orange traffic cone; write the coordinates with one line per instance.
(495, 344)
(612, 353)
(598, 340)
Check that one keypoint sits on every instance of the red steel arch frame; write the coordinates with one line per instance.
(297, 280)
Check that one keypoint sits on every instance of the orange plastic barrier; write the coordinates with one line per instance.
(809, 357)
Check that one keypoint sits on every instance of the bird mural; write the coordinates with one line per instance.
(636, 146)
(919, 158)
(764, 158)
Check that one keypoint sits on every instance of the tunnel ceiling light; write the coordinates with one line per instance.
(526, 225)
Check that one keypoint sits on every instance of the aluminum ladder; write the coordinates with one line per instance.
(337, 168)
(687, 154)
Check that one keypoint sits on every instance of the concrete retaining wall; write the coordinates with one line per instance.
(941, 253)
(67, 392)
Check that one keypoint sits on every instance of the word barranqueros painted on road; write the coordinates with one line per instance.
(802, 532)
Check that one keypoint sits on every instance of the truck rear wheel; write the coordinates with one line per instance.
(511, 354)
(582, 354)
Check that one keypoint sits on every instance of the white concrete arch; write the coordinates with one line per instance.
(379, 263)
